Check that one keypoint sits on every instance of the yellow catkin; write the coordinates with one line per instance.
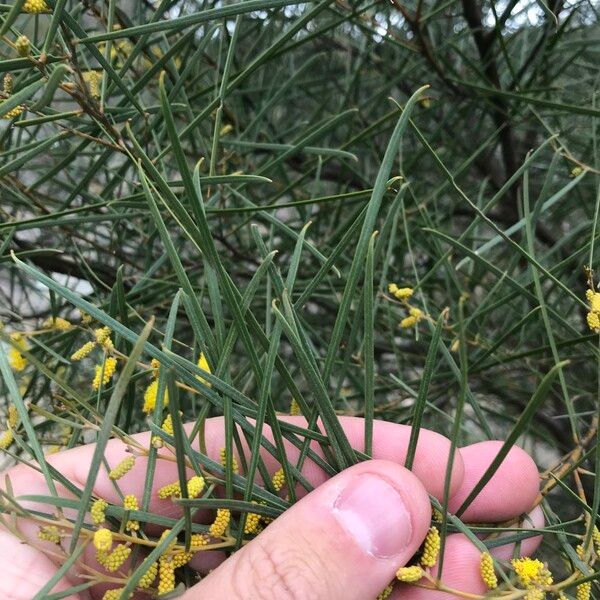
(104, 375)
(221, 522)
(150, 396)
(35, 7)
(223, 460)
(386, 593)
(49, 533)
(85, 318)
(486, 567)
(431, 548)
(252, 523)
(531, 572)
(97, 511)
(157, 442)
(113, 561)
(180, 558)
(23, 45)
(404, 293)
(409, 574)
(6, 439)
(112, 594)
(593, 321)
(102, 336)
(195, 486)
(122, 468)
(198, 541)
(16, 360)
(148, 577)
(7, 86)
(295, 408)
(535, 594)
(171, 490)
(83, 351)
(168, 425)
(278, 479)
(596, 538)
(166, 577)
(13, 416)
(408, 322)
(155, 366)
(12, 113)
(103, 539)
(93, 80)
(203, 364)
(584, 591)
(130, 502)
(57, 323)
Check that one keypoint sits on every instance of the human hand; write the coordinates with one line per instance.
(346, 539)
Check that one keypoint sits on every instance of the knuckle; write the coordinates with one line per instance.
(277, 571)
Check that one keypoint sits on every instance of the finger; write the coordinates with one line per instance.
(344, 540)
(510, 492)
(462, 559)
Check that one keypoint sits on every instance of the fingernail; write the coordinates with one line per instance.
(373, 513)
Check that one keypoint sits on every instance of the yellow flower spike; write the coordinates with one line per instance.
(122, 468)
(409, 574)
(593, 321)
(531, 572)
(57, 323)
(596, 538)
(97, 511)
(431, 548)
(178, 559)
(252, 523)
(148, 577)
(594, 300)
(486, 567)
(103, 539)
(295, 408)
(13, 416)
(7, 85)
(6, 439)
(85, 318)
(166, 577)
(83, 351)
(223, 460)
(114, 561)
(415, 312)
(155, 365)
(221, 522)
(35, 7)
(102, 336)
(278, 479)
(150, 396)
(386, 593)
(130, 502)
(195, 486)
(576, 171)
(403, 293)
(203, 364)
(104, 375)
(23, 45)
(49, 533)
(93, 79)
(198, 541)
(408, 322)
(171, 490)
(535, 594)
(16, 360)
(114, 594)
(392, 288)
(584, 591)
(157, 442)
(167, 425)
(11, 114)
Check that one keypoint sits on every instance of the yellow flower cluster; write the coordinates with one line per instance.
(294, 408)
(171, 490)
(584, 591)
(102, 336)
(386, 593)
(414, 316)
(23, 45)
(535, 594)
(166, 577)
(198, 541)
(97, 511)
(252, 524)
(130, 502)
(6, 439)
(13, 416)
(221, 522)
(486, 567)
(83, 351)
(409, 574)
(431, 548)
(150, 397)
(93, 80)
(167, 425)
(16, 360)
(49, 533)
(122, 468)
(195, 486)
(104, 374)
(113, 594)
(12, 113)
(35, 7)
(57, 323)
(203, 364)
(400, 293)
(148, 577)
(155, 365)
(593, 316)
(278, 479)
(531, 572)
(113, 561)
(103, 539)
(223, 460)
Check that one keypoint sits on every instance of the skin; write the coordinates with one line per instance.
(314, 550)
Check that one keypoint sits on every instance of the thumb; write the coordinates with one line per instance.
(346, 539)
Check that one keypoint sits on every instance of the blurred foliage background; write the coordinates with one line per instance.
(176, 145)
